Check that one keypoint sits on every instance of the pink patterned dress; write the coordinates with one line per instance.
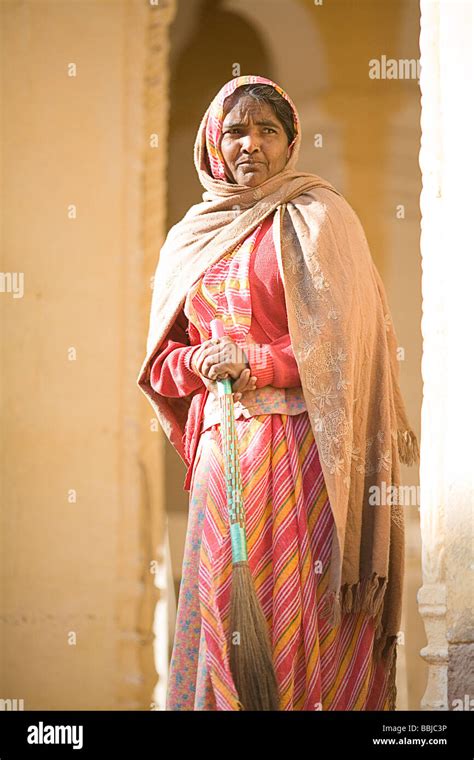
(289, 522)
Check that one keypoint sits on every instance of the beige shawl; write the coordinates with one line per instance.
(345, 347)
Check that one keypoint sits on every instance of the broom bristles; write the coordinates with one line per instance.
(251, 661)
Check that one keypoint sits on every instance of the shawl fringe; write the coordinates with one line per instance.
(389, 653)
(366, 595)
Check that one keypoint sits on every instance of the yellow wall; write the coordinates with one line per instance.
(76, 614)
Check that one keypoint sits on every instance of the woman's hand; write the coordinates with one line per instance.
(219, 358)
(215, 354)
(245, 382)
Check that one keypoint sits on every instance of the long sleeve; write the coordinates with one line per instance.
(274, 363)
(171, 374)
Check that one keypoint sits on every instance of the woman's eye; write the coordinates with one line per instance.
(236, 130)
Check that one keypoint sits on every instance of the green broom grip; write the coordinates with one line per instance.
(232, 466)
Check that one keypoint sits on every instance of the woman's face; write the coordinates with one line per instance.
(254, 144)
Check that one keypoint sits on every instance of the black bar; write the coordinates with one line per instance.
(143, 734)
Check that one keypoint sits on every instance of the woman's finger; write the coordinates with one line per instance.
(208, 354)
(209, 360)
(199, 357)
(250, 383)
(225, 368)
(245, 382)
(242, 380)
(212, 387)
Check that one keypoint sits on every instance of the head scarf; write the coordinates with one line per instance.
(344, 344)
(215, 118)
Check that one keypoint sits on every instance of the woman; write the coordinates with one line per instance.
(281, 258)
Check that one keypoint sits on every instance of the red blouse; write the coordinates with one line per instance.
(171, 374)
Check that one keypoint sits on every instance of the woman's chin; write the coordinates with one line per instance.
(251, 179)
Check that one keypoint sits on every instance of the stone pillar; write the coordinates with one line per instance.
(153, 439)
(446, 599)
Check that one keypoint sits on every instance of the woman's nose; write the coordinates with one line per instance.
(250, 143)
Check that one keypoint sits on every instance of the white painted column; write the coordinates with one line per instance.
(446, 599)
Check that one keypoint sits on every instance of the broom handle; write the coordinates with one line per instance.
(235, 505)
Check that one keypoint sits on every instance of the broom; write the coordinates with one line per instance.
(251, 661)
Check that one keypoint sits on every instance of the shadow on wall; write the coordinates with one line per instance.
(199, 66)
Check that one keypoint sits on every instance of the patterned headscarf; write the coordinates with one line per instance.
(215, 119)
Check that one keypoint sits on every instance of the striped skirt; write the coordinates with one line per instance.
(289, 526)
